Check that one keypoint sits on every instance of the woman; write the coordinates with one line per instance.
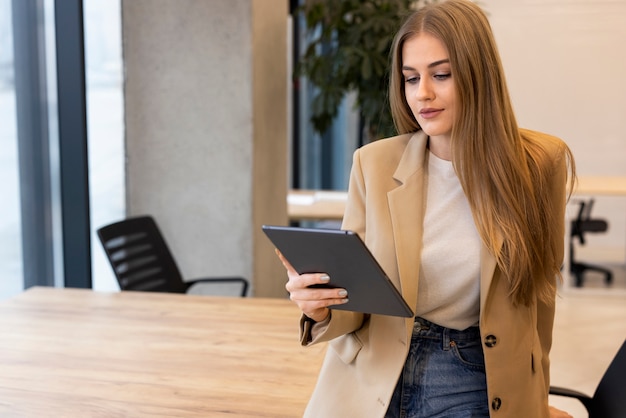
(465, 212)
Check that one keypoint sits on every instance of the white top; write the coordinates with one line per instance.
(449, 284)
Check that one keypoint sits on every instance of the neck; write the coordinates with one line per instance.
(441, 147)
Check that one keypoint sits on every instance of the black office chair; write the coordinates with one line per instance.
(141, 259)
(609, 399)
(579, 227)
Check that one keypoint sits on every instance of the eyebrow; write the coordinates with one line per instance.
(431, 65)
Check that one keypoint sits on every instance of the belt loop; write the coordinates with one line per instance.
(445, 339)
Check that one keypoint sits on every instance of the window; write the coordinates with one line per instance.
(31, 166)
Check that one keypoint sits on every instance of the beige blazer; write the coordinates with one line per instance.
(366, 353)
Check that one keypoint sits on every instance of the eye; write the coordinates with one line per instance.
(442, 76)
(411, 79)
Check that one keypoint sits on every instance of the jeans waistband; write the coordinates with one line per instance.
(427, 329)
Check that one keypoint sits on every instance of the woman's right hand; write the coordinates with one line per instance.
(312, 301)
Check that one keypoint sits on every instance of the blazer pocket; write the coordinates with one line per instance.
(536, 359)
(346, 347)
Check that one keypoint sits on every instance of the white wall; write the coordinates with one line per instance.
(566, 68)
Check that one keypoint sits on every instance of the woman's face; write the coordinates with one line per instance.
(428, 84)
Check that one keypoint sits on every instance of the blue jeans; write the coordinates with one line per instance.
(443, 377)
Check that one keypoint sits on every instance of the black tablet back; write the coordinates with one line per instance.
(350, 265)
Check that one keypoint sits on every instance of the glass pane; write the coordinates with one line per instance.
(11, 277)
(103, 56)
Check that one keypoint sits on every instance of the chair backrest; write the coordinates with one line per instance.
(585, 209)
(140, 257)
(584, 223)
(609, 399)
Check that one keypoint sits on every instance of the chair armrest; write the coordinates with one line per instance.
(244, 283)
(570, 393)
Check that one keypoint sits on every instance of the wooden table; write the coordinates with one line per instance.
(316, 205)
(601, 185)
(330, 205)
(79, 353)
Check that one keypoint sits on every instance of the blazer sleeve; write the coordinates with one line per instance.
(546, 310)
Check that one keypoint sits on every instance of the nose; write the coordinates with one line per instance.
(424, 89)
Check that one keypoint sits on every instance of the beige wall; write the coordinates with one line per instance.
(205, 96)
(565, 66)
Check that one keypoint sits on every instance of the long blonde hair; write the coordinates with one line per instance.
(501, 172)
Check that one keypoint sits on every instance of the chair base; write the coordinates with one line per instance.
(578, 270)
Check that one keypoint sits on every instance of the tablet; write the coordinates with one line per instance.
(350, 265)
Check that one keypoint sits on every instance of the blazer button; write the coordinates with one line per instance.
(496, 403)
(490, 340)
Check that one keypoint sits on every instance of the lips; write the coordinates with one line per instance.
(430, 113)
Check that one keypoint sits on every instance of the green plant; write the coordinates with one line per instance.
(349, 51)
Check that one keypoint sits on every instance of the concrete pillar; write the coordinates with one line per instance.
(206, 130)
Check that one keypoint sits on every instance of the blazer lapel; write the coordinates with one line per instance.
(406, 205)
